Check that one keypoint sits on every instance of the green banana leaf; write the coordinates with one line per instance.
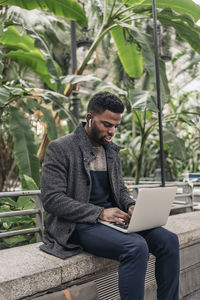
(57, 100)
(13, 240)
(146, 45)
(49, 97)
(31, 105)
(4, 96)
(184, 26)
(174, 144)
(143, 100)
(13, 40)
(28, 184)
(183, 22)
(32, 51)
(26, 202)
(180, 6)
(69, 9)
(54, 29)
(36, 61)
(52, 66)
(128, 52)
(8, 93)
(24, 146)
(100, 85)
(15, 91)
(74, 79)
(8, 202)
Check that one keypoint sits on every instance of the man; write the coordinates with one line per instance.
(81, 183)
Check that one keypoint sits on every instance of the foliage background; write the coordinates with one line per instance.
(115, 52)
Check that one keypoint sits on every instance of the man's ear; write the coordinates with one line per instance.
(88, 117)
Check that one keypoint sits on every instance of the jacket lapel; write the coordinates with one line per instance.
(85, 146)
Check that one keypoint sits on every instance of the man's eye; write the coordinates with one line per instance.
(107, 125)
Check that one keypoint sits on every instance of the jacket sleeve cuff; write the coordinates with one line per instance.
(99, 213)
(129, 204)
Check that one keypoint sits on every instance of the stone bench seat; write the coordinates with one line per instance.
(26, 272)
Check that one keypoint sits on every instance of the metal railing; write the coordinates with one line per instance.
(183, 200)
(196, 191)
(38, 211)
(184, 197)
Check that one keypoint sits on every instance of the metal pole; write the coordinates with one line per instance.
(39, 219)
(159, 105)
(75, 99)
(73, 46)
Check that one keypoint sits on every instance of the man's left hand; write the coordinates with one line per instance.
(131, 209)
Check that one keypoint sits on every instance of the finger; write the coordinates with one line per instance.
(119, 221)
(121, 212)
(123, 216)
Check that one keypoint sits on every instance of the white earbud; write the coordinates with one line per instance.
(90, 122)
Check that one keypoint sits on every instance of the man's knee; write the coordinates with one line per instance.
(173, 244)
(136, 249)
(170, 243)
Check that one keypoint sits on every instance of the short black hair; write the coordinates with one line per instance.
(105, 100)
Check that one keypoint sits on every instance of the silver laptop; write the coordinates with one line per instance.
(151, 210)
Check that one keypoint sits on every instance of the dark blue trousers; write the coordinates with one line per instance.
(132, 251)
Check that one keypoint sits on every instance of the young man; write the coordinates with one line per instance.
(81, 183)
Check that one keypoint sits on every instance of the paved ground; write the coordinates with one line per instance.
(193, 296)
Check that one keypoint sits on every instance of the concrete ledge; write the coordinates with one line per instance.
(186, 226)
(26, 271)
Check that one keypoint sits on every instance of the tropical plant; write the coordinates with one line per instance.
(119, 18)
(134, 46)
(140, 146)
(13, 223)
(22, 104)
(33, 90)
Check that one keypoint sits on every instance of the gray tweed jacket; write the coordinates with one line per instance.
(66, 186)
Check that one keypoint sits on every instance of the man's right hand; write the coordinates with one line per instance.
(114, 214)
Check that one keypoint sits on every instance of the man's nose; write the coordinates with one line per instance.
(111, 131)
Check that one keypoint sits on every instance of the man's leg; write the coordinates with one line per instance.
(165, 246)
(130, 250)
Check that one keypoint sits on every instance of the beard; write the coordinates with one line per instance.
(94, 134)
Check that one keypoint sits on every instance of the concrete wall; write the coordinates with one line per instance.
(26, 271)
